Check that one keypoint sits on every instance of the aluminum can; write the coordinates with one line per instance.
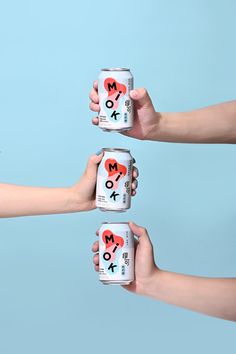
(114, 179)
(116, 106)
(116, 253)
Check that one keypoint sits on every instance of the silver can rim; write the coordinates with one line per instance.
(115, 69)
(116, 149)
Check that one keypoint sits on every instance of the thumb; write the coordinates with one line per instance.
(142, 97)
(92, 165)
(141, 233)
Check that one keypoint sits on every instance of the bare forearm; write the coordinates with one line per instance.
(211, 296)
(22, 201)
(213, 124)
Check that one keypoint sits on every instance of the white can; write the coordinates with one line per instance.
(116, 253)
(114, 179)
(116, 106)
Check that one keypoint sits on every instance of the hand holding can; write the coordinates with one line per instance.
(146, 121)
(140, 270)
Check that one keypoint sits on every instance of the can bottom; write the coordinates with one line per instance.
(116, 282)
(115, 210)
(116, 130)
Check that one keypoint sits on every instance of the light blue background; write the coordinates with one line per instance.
(50, 53)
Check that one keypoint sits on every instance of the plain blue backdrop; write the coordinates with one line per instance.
(50, 52)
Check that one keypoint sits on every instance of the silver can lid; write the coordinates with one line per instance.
(115, 69)
(115, 150)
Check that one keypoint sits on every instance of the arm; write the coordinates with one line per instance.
(213, 124)
(23, 200)
(211, 296)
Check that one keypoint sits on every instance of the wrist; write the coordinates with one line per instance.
(147, 285)
(74, 203)
(78, 201)
(154, 287)
(160, 128)
(167, 127)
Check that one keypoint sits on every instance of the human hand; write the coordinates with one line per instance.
(84, 192)
(146, 119)
(145, 269)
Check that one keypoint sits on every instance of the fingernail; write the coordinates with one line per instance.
(99, 152)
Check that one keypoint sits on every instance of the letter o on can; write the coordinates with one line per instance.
(109, 184)
(106, 256)
(109, 104)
